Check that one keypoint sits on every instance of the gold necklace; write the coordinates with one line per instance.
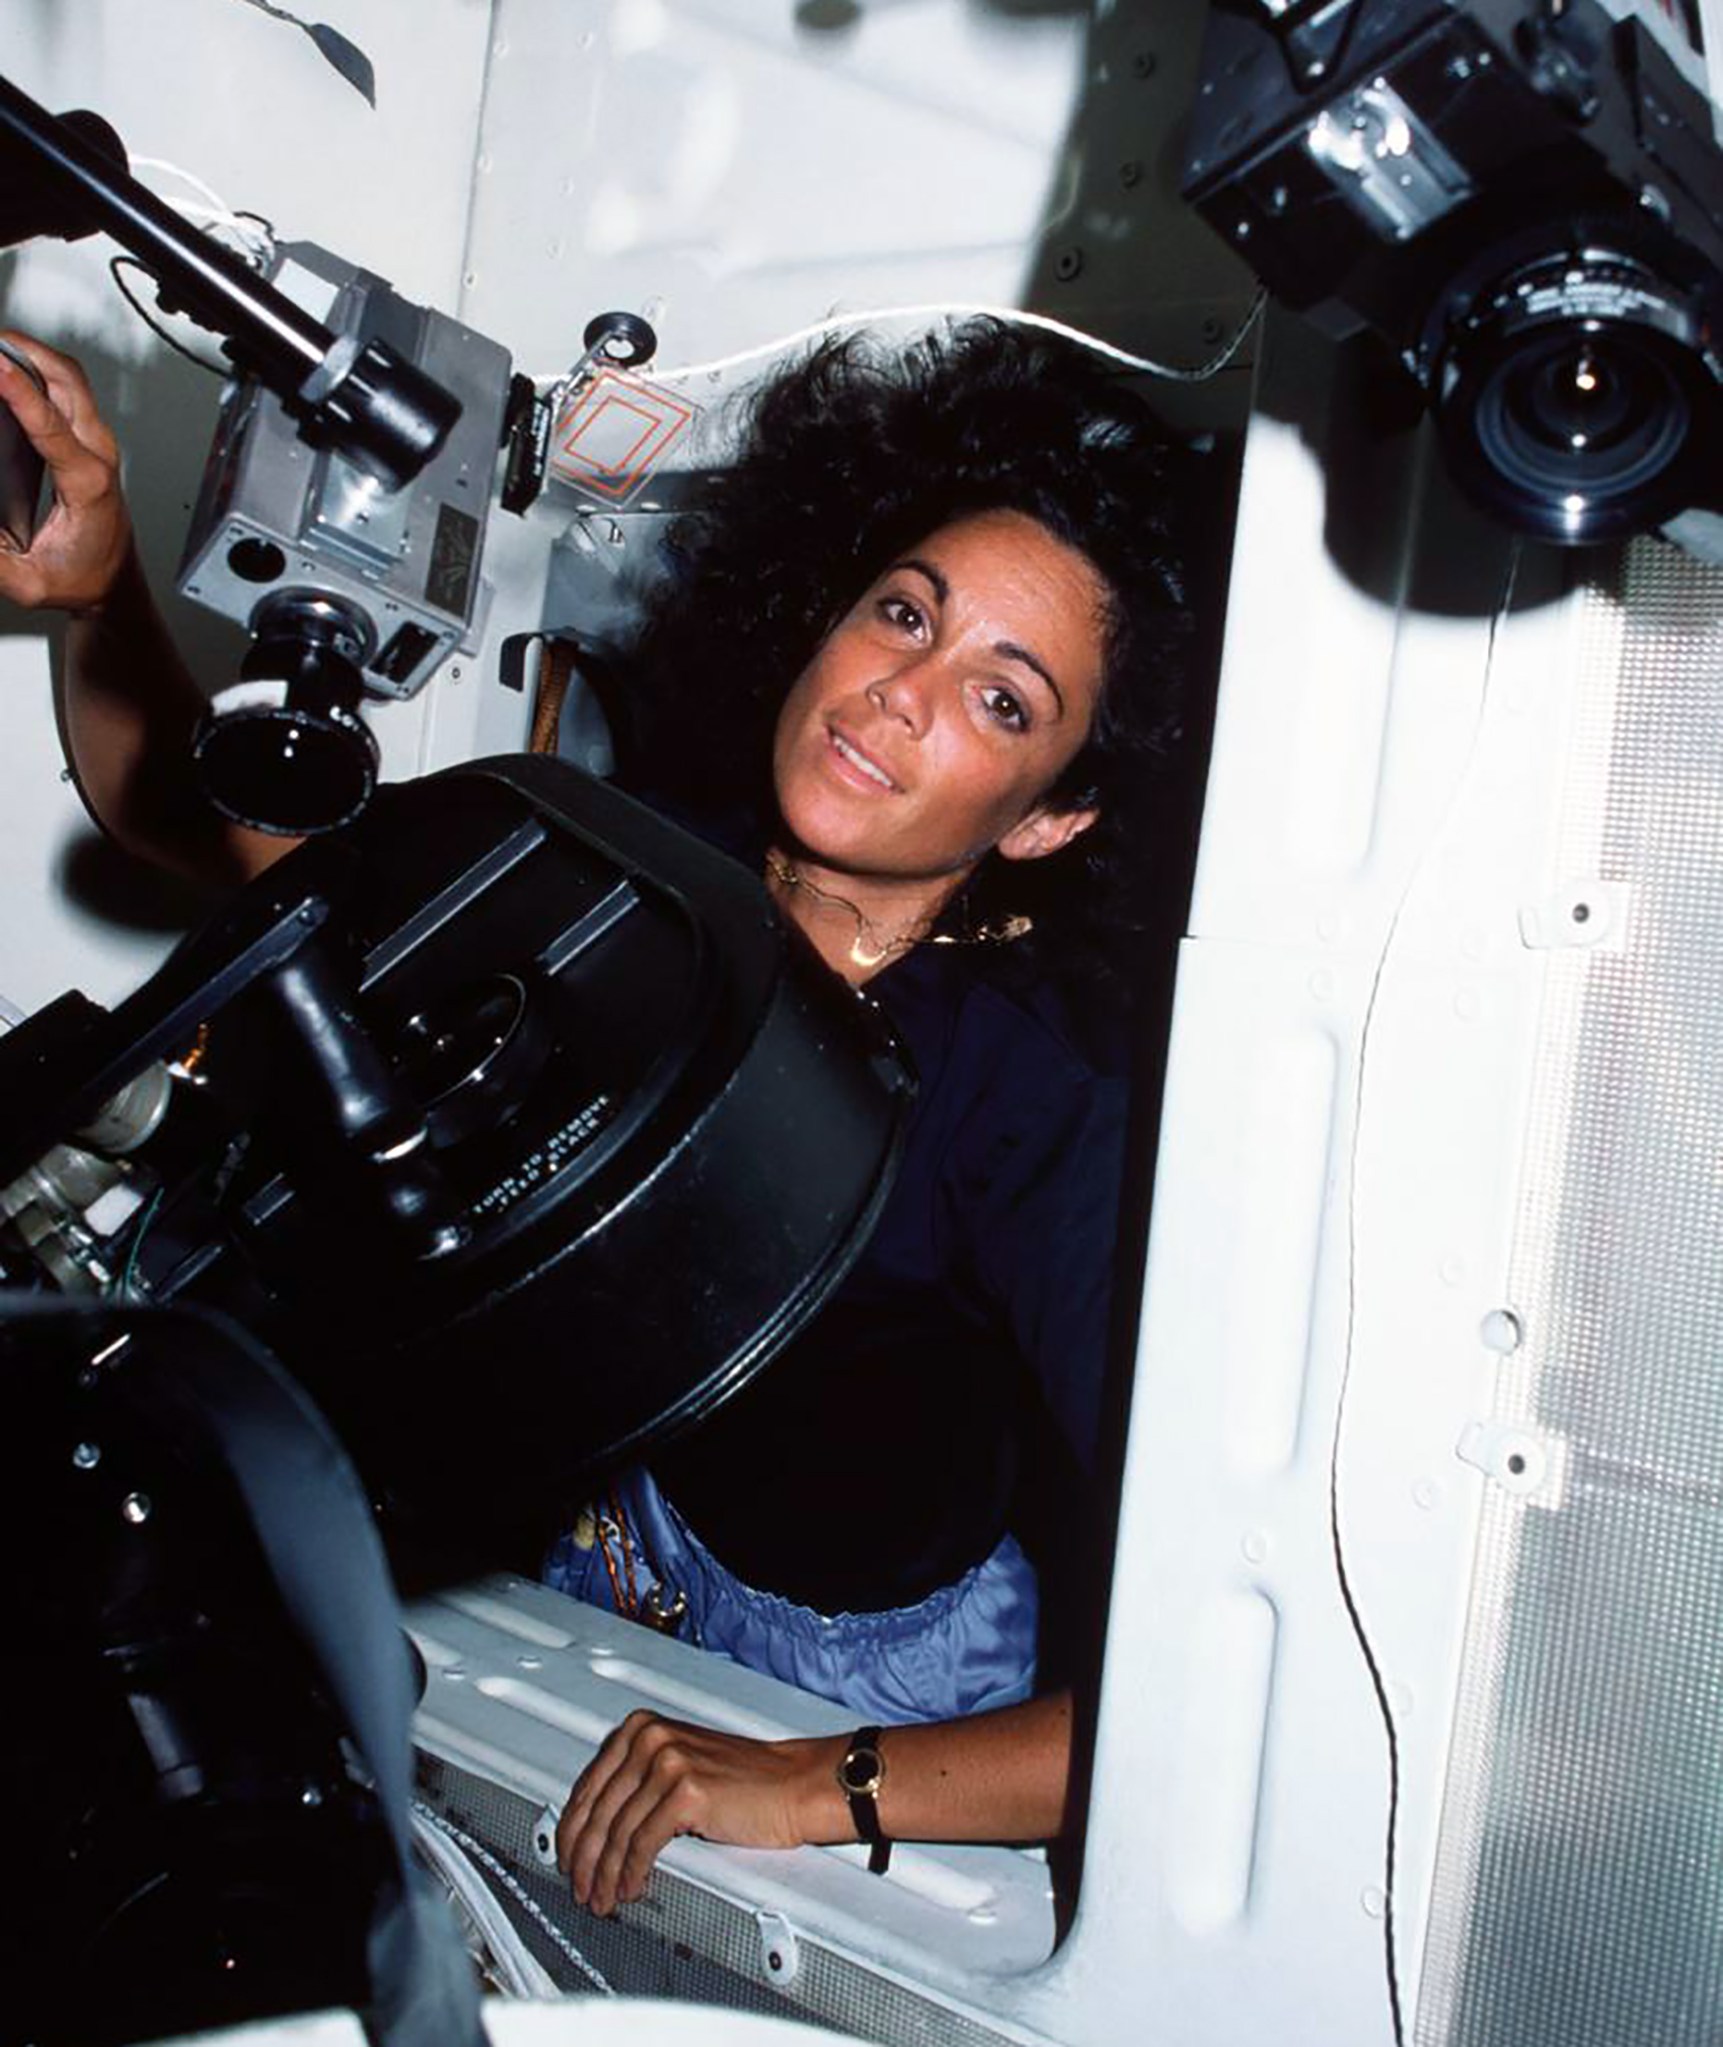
(865, 950)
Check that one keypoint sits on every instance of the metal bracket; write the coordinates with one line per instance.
(1517, 1459)
(1588, 912)
(780, 1956)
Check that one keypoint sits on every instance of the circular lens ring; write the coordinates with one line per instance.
(1495, 408)
(286, 771)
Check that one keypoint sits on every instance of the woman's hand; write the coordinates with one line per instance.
(656, 1778)
(85, 542)
(999, 1776)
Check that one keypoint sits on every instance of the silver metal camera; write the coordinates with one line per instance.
(350, 588)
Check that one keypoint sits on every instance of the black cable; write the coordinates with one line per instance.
(118, 263)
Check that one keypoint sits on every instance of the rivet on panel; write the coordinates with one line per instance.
(136, 1509)
(1374, 1900)
(86, 1457)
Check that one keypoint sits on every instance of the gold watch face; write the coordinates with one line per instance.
(861, 1771)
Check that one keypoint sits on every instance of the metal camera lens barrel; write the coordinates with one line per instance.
(388, 417)
(1568, 398)
(284, 749)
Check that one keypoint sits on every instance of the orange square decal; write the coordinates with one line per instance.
(616, 431)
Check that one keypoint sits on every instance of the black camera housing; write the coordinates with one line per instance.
(1524, 202)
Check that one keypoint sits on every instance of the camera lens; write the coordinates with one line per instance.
(285, 750)
(1567, 405)
(1600, 417)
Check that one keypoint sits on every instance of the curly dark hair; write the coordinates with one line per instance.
(849, 457)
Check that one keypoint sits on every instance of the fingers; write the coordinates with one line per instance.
(640, 1829)
(66, 421)
(631, 1800)
(81, 548)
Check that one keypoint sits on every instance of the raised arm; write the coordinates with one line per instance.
(129, 704)
(1000, 1776)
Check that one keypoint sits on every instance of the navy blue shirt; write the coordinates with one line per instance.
(961, 1360)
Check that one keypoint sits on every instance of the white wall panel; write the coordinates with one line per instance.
(735, 173)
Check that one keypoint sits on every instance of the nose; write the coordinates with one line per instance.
(906, 695)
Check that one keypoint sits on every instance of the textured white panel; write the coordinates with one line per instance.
(524, 1684)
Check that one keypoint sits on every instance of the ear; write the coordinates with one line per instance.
(1044, 831)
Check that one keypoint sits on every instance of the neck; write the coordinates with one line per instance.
(858, 924)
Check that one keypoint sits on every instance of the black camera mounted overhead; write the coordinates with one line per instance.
(1524, 198)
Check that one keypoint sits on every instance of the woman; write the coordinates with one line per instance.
(956, 559)
(984, 678)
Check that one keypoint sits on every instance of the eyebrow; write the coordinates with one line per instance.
(1007, 650)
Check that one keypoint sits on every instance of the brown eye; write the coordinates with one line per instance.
(901, 612)
(1006, 708)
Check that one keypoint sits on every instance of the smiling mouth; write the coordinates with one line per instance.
(852, 756)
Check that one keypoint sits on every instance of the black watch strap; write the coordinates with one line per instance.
(861, 1773)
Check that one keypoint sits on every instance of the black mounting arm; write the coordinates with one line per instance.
(380, 411)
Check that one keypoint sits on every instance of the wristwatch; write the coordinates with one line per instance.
(861, 1773)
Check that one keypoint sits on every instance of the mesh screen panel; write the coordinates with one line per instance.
(681, 1941)
(1578, 1896)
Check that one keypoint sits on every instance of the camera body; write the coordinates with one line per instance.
(349, 588)
(1525, 201)
(277, 512)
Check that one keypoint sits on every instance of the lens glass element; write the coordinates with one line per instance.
(1568, 401)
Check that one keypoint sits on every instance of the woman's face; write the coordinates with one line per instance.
(943, 705)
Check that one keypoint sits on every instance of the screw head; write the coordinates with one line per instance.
(86, 1456)
(136, 1508)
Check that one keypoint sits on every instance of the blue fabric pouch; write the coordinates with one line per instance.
(966, 1648)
